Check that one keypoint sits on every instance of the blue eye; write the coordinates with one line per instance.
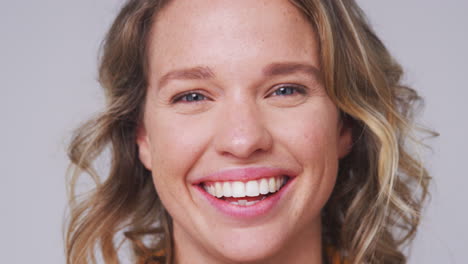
(191, 97)
(287, 90)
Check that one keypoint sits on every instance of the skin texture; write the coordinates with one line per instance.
(239, 120)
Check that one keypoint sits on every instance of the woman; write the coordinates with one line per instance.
(248, 132)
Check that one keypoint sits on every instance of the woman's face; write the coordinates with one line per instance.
(236, 110)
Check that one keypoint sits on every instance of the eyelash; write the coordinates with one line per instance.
(296, 89)
(181, 97)
(184, 97)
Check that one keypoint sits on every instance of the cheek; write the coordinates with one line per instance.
(176, 144)
(315, 149)
(311, 136)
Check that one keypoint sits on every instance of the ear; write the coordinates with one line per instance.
(143, 142)
(345, 137)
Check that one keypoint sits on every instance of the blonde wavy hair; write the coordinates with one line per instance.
(375, 208)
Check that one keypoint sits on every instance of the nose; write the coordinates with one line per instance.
(242, 132)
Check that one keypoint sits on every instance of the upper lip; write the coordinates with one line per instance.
(245, 174)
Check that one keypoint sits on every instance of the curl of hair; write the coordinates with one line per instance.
(375, 207)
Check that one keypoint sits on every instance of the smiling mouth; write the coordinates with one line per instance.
(245, 193)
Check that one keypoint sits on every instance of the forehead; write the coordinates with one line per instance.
(226, 34)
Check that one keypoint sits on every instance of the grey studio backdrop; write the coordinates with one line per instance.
(48, 54)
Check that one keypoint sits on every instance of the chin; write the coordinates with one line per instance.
(251, 246)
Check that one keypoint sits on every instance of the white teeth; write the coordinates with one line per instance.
(264, 186)
(242, 202)
(251, 189)
(219, 190)
(279, 183)
(238, 189)
(211, 190)
(251, 203)
(227, 191)
(245, 202)
(272, 185)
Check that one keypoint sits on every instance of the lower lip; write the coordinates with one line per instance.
(251, 211)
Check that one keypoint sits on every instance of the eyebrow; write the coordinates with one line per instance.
(195, 73)
(274, 69)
